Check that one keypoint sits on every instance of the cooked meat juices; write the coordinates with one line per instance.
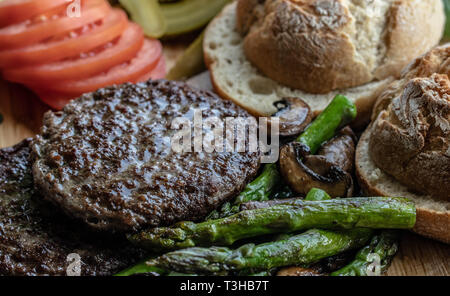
(35, 240)
(106, 158)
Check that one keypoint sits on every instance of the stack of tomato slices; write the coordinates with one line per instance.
(61, 56)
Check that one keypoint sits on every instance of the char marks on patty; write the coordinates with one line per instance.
(36, 240)
(107, 157)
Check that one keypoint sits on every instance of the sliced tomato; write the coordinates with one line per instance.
(145, 61)
(46, 26)
(158, 73)
(15, 11)
(149, 61)
(55, 101)
(72, 44)
(58, 101)
(121, 51)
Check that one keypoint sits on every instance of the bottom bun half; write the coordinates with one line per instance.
(433, 216)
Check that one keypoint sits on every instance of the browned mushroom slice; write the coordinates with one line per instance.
(294, 115)
(341, 150)
(303, 172)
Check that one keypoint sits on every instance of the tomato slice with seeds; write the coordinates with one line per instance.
(61, 57)
(48, 25)
(158, 72)
(121, 51)
(55, 101)
(15, 11)
(69, 45)
(58, 101)
(145, 61)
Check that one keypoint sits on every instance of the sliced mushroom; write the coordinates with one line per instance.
(303, 172)
(294, 115)
(341, 150)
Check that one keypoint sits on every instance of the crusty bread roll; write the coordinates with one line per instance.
(434, 61)
(433, 215)
(410, 140)
(406, 149)
(319, 46)
(369, 59)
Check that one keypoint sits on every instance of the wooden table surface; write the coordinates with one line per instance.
(22, 116)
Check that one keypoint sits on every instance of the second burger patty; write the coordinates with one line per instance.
(107, 158)
(35, 239)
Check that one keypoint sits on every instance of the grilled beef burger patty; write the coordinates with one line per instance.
(107, 157)
(35, 240)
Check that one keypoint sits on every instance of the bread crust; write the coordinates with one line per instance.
(321, 45)
(364, 104)
(408, 142)
(430, 222)
(413, 28)
(436, 60)
(261, 105)
(410, 138)
(297, 47)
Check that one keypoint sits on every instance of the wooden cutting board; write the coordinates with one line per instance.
(22, 116)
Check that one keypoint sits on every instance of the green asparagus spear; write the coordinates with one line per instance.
(305, 248)
(316, 194)
(339, 113)
(373, 259)
(377, 255)
(258, 190)
(377, 213)
(141, 268)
